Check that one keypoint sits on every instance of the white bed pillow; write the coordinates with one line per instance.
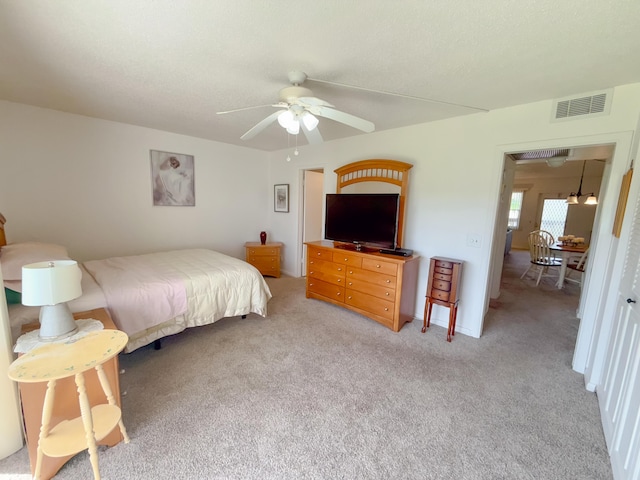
(14, 255)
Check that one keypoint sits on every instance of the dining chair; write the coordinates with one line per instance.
(541, 257)
(578, 266)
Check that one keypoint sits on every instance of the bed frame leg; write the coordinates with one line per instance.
(244, 316)
(157, 344)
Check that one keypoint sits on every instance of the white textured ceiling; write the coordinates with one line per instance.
(171, 65)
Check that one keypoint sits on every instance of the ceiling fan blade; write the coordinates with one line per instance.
(313, 136)
(402, 95)
(342, 117)
(256, 129)
(312, 102)
(278, 105)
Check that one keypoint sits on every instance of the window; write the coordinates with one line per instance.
(554, 216)
(515, 209)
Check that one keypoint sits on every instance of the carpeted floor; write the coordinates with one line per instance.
(316, 392)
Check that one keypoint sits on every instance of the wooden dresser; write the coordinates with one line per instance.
(443, 289)
(378, 286)
(266, 258)
(66, 405)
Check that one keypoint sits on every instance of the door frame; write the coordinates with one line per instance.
(603, 248)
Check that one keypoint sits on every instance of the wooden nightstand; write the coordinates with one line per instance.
(66, 405)
(266, 258)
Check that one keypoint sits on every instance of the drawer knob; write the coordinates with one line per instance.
(388, 281)
(318, 253)
(340, 269)
(350, 272)
(350, 283)
(377, 266)
(338, 294)
(339, 280)
(312, 272)
(349, 297)
(387, 294)
(346, 259)
(386, 309)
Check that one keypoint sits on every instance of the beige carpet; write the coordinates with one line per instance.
(316, 392)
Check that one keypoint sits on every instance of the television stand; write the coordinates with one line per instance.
(378, 286)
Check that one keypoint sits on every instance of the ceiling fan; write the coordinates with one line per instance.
(298, 110)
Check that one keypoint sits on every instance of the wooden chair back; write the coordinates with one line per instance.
(539, 243)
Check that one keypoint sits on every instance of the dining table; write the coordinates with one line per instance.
(567, 251)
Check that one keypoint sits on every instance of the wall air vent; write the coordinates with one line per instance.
(591, 105)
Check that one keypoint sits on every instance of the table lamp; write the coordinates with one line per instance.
(49, 285)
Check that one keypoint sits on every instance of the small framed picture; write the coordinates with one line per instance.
(281, 198)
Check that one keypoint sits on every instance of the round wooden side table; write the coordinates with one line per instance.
(60, 360)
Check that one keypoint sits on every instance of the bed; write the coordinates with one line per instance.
(148, 296)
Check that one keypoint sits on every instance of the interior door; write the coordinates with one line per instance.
(619, 393)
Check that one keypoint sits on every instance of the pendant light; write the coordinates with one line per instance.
(573, 198)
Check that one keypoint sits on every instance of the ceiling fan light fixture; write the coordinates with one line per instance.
(286, 118)
(591, 200)
(310, 121)
(294, 127)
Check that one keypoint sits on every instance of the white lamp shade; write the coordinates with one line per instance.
(294, 127)
(309, 120)
(572, 199)
(591, 200)
(50, 283)
(285, 118)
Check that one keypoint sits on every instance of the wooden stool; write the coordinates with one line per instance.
(60, 360)
(443, 289)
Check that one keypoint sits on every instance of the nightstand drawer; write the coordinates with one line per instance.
(263, 251)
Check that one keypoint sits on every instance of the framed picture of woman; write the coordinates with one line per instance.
(172, 177)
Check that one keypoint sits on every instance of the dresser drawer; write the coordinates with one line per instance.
(440, 295)
(268, 251)
(346, 258)
(366, 276)
(325, 289)
(327, 277)
(326, 267)
(319, 253)
(369, 303)
(380, 291)
(380, 266)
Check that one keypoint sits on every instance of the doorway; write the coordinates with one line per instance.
(312, 208)
(558, 185)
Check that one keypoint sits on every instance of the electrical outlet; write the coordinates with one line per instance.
(474, 240)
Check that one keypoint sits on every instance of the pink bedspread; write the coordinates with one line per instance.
(140, 295)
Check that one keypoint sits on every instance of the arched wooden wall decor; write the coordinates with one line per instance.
(378, 170)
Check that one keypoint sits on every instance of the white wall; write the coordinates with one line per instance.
(86, 184)
(454, 184)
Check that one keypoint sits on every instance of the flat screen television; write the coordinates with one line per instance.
(369, 219)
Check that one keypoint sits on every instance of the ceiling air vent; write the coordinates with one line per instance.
(595, 104)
